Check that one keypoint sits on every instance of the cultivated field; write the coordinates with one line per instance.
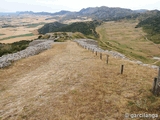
(122, 36)
(22, 26)
(68, 82)
(26, 26)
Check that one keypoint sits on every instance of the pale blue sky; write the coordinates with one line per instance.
(73, 5)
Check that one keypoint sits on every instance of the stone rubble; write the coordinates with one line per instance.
(93, 45)
(34, 48)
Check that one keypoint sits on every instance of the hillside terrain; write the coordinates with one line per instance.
(151, 26)
(51, 27)
(86, 28)
(69, 82)
(122, 36)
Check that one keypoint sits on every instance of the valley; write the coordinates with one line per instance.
(23, 27)
(122, 36)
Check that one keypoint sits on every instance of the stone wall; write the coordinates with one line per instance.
(93, 45)
(34, 48)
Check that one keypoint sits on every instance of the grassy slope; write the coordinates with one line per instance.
(76, 85)
(152, 27)
(123, 37)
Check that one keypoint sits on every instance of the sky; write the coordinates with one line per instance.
(74, 5)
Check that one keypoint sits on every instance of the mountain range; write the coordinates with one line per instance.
(95, 13)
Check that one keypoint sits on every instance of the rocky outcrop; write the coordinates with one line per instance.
(34, 48)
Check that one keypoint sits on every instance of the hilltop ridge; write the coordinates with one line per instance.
(101, 13)
(77, 84)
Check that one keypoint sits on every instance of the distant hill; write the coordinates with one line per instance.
(87, 28)
(141, 11)
(105, 12)
(140, 16)
(33, 13)
(102, 13)
(51, 27)
(96, 13)
(62, 12)
(151, 25)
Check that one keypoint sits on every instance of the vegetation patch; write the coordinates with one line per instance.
(13, 47)
(51, 27)
(34, 24)
(62, 36)
(23, 35)
(1, 34)
(86, 28)
(151, 26)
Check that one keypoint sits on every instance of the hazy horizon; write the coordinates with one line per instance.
(71, 5)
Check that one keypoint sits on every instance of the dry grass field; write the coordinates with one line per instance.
(25, 24)
(122, 36)
(68, 82)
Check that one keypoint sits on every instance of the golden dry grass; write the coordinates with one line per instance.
(68, 82)
(122, 36)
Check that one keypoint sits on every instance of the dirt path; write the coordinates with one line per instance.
(32, 86)
(66, 82)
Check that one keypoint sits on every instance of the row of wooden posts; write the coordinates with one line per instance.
(156, 82)
(101, 55)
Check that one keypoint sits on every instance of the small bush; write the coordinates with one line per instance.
(13, 47)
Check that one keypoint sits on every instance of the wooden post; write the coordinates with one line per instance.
(96, 53)
(156, 85)
(107, 59)
(101, 56)
(122, 67)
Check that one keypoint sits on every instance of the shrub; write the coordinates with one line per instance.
(13, 47)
